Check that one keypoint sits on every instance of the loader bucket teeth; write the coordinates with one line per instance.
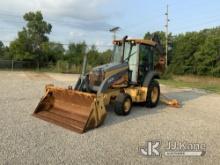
(74, 110)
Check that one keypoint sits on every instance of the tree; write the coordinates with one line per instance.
(28, 45)
(105, 56)
(1, 49)
(93, 56)
(196, 53)
(4, 51)
(184, 49)
(207, 56)
(53, 51)
(75, 53)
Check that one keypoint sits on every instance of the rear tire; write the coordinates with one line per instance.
(153, 94)
(123, 104)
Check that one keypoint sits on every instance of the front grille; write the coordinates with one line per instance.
(95, 79)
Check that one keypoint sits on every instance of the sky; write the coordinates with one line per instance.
(90, 20)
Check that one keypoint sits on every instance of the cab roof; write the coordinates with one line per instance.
(138, 41)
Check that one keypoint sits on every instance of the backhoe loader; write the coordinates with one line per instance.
(130, 77)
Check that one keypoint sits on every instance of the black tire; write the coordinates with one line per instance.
(153, 94)
(120, 104)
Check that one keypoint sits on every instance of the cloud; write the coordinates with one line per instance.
(72, 20)
(75, 9)
(82, 14)
(77, 33)
(88, 25)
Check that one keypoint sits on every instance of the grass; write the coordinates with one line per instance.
(201, 82)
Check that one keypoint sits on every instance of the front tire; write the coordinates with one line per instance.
(123, 104)
(153, 94)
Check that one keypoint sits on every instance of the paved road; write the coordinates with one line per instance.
(28, 140)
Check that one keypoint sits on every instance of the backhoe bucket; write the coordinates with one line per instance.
(74, 110)
(170, 102)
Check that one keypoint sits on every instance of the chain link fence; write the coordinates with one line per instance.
(61, 66)
(17, 65)
(67, 67)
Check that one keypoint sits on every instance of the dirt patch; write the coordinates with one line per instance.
(64, 77)
(38, 76)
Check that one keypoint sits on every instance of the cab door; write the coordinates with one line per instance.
(146, 60)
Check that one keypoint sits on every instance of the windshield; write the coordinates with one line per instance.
(117, 52)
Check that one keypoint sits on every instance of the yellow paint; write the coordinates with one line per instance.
(138, 94)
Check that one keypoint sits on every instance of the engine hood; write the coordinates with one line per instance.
(98, 74)
(109, 67)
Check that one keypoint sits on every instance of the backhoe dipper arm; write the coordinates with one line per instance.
(158, 45)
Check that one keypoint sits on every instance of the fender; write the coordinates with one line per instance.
(150, 75)
(110, 80)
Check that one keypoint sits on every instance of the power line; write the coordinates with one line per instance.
(166, 31)
(67, 44)
(217, 20)
(55, 21)
(200, 24)
(72, 24)
(156, 18)
(49, 20)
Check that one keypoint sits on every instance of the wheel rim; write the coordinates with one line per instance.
(127, 105)
(154, 94)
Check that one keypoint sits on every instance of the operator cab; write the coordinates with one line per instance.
(139, 54)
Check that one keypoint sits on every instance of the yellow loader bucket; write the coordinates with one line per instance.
(74, 110)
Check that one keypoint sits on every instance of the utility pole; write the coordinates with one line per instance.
(114, 30)
(166, 31)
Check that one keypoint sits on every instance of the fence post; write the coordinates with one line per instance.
(58, 66)
(12, 65)
(38, 65)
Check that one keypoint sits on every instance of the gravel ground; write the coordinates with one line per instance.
(28, 140)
